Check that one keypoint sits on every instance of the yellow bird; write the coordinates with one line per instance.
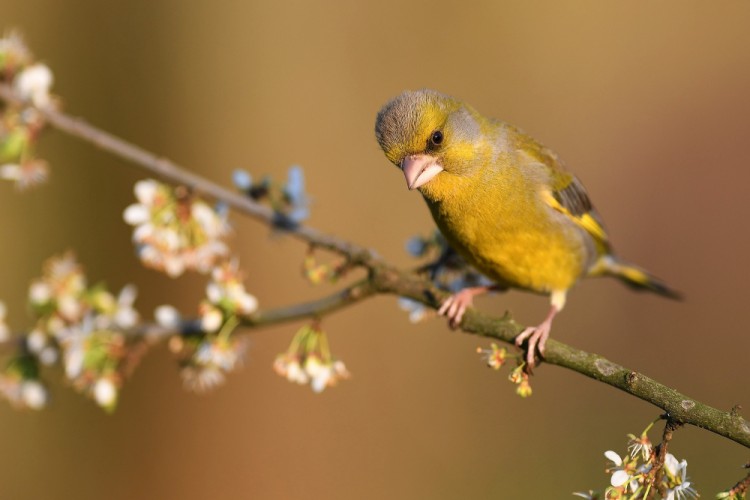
(504, 202)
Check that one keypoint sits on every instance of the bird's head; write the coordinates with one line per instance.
(427, 134)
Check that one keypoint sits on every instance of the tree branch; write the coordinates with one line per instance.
(387, 279)
(679, 407)
(315, 309)
(169, 170)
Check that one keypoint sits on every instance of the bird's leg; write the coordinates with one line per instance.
(537, 336)
(455, 306)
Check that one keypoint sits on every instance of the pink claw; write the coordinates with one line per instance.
(455, 306)
(537, 339)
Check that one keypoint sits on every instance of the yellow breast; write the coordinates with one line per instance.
(501, 226)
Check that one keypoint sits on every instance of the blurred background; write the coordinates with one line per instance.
(647, 102)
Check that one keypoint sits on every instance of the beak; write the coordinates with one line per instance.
(419, 170)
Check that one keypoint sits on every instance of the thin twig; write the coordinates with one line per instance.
(657, 471)
(169, 170)
(740, 489)
(315, 309)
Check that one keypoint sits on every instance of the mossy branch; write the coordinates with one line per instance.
(385, 279)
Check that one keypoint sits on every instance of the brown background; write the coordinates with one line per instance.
(648, 103)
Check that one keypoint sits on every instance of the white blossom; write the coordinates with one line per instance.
(33, 394)
(168, 317)
(34, 83)
(105, 392)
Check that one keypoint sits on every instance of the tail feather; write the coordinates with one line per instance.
(639, 279)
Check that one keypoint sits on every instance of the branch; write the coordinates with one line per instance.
(315, 309)
(386, 279)
(679, 408)
(657, 471)
(169, 170)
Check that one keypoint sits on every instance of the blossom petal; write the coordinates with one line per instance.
(614, 457)
(146, 190)
(136, 214)
(167, 316)
(619, 478)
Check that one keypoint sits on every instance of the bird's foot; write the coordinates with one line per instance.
(455, 306)
(536, 338)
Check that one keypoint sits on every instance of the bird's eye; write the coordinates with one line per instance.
(436, 138)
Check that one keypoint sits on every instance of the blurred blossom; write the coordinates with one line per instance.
(495, 356)
(74, 350)
(317, 273)
(322, 374)
(4, 329)
(417, 311)
(517, 376)
(290, 202)
(309, 361)
(40, 293)
(93, 359)
(168, 317)
(33, 394)
(60, 293)
(105, 393)
(416, 246)
(224, 354)
(20, 384)
(125, 316)
(296, 196)
(227, 292)
(13, 52)
(20, 125)
(27, 174)
(288, 366)
(49, 355)
(206, 359)
(33, 83)
(62, 298)
(175, 231)
(242, 179)
(524, 387)
(86, 328)
(36, 340)
(10, 389)
(295, 184)
(206, 364)
(201, 379)
(211, 317)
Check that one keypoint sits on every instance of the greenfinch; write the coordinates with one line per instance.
(504, 202)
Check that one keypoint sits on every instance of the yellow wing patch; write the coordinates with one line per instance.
(585, 221)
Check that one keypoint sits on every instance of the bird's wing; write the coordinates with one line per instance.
(569, 198)
(565, 193)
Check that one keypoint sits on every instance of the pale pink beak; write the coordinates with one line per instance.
(419, 170)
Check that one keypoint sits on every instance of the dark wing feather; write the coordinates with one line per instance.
(565, 193)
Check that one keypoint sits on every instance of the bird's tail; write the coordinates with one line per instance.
(637, 278)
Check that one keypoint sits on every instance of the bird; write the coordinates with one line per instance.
(505, 203)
